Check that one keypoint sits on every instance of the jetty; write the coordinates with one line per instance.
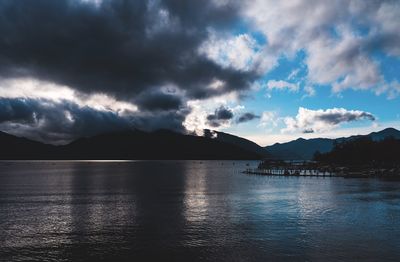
(316, 169)
(293, 168)
(290, 172)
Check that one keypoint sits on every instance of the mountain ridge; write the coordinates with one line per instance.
(304, 149)
(132, 144)
(166, 144)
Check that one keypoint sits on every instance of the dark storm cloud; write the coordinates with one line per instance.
(220, 116)
(16, 110)
(58, 122)
(247, 117)
(128, 49)
(61, 122)
(156, 101)
(308, 131)
(221, 113)
(334, 118)
(119, 47)
(150, 121)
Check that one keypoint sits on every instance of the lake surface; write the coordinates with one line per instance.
(191, 211)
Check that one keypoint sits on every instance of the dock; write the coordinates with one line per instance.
(291, 172)
(315, 169)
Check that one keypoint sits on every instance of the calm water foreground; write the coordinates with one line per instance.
(191, 211)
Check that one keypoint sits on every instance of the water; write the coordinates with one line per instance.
(191, 211)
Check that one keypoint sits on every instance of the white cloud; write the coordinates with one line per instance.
(392, 89)
(317, 121)
(94, 2)
(196, 121)
(269, 119)
(38, 89)
(338, 37)
(293, 74)
(281, 85)
(342, 63)
(387, 26)
(309, 90)
(239, 52)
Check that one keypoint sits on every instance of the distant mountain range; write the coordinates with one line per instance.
(164, 144)
(304, 149)
(135, 144)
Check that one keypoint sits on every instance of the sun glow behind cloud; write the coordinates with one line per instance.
(38, 89)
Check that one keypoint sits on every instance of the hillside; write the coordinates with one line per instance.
(364, 151)
(133, 144)
(304, 149)
(237, 141)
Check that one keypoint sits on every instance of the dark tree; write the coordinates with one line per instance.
(363, 151)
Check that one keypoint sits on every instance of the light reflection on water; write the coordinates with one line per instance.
(197, 210)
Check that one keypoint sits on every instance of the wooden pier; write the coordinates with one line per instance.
(315, 169)
(291, 172)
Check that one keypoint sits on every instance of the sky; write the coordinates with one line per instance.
(270, 71)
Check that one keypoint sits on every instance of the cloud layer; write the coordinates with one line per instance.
(222, 115)
(247, 117)
(46, 120)
(140, 54)
(310, 121)
(340, 38)
(121, 48)
(161, 63)
(281, 85)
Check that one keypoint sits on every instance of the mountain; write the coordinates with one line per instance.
(237, 141)
(164, 144)
(161, 144)
(388, 132)
(364, 151)
(304, 149)
(13, 147)
(300, 149)
(132, 144)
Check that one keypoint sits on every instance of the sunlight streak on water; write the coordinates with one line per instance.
(196, 199)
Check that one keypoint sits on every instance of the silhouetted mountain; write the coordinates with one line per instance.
(385, 133)
(237, 141)
(364, 151)
(132, 144)
(161, 144)
(300, 149)
(304, 149)
(13, 147)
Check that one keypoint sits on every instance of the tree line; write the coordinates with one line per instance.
(363, 151)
